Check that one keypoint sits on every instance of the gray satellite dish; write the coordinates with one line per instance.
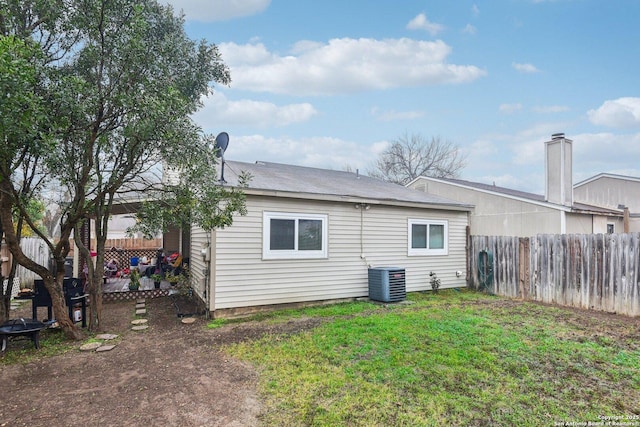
(222, 142)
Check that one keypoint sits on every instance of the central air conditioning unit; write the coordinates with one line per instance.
(387, 284)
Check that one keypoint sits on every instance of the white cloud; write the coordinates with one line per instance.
(544, 109)
(619, 151)
(509, 108)
(525, 68)
(344, 66)
(392, 115)
(469, 29)
(617, 113)
(321, 152)
(218, 10)
(421, 22)
(474, 10)
(218, 109)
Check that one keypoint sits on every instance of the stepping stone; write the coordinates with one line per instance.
(139, 328)
(90, 346)
(188, 320)
(139, 306)
(139, 321)
(141, 311)
(140, 301)
(106, 337)
(105, 347)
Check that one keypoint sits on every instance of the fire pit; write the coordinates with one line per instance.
(21, 327)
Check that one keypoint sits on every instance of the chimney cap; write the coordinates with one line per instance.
(557, 135)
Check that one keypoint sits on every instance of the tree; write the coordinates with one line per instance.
(21, 114)
(413, 155)
(124, 80)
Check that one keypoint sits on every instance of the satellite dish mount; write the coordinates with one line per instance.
(222, 142)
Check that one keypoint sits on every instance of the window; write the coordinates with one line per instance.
(292, 235)
(428, 237)
(611, 228)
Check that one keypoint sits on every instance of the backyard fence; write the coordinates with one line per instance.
(594, 271)
(36, 249)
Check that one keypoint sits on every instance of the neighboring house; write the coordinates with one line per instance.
(311, 234)
(613, 192)
(505, 212)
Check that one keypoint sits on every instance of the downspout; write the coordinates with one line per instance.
(362, 207)
(208, 293)
(563, 222)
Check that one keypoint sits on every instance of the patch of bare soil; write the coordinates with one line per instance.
(170, 374)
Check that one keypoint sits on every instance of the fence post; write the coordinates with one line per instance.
(524, 266)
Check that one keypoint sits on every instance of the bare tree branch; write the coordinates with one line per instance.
(413, 155)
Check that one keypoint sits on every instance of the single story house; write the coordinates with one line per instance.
(613, 192)
(311, 235)
(500, 211)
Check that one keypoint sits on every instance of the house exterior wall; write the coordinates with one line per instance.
(241, 278)
(610, 192)
(600, 224)
(496, 215)
(584, 224)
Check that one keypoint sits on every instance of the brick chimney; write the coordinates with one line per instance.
(559, 172)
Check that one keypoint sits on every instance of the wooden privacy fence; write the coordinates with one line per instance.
(594, 271)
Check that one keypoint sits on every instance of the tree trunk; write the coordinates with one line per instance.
(5, 306)
(53, 284)
(94, 289)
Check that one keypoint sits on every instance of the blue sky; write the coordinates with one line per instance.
(330, 83)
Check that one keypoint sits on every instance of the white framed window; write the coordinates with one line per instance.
(294, 235)
(428, 237)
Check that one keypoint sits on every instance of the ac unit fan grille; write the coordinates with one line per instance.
(387, 284)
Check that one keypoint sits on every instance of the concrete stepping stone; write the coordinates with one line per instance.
(90, 346)
(106, 348)
(141, 311)
(139, 327)
(188, 320)
(140, 301)
(139, 321)
(139, 306)
(106, 337)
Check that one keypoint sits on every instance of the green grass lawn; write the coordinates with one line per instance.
(455, 358)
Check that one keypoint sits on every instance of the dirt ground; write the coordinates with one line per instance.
(172, 374)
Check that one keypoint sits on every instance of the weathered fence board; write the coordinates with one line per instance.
(594, 271)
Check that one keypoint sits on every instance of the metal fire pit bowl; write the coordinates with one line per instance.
(21, 327)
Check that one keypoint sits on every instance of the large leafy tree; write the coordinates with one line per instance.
(22, 113)
(411, 156)
(125, 78)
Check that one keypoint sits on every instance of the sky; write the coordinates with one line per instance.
(332, 83)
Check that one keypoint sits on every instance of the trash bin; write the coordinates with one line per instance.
(134, 261)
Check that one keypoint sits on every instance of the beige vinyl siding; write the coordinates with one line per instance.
(242, 278)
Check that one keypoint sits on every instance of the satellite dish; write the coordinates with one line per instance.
(222, 142)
